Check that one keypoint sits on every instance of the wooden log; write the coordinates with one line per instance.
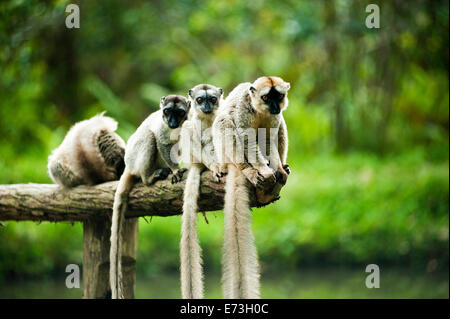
(43, 202)
(93, 206)
(96, 244)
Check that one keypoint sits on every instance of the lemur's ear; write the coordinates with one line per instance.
(252, 89)
(190, 93)
(221, 91)
(162, 99)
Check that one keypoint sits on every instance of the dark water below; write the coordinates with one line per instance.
(311, 283)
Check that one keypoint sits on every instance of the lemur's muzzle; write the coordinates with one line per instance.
(274, 108)
(173, 124)
(207, 109)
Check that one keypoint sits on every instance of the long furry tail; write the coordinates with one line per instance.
(190, 250)
(240, 269)
(115, 256)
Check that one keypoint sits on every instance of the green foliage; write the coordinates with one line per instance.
(38, 250)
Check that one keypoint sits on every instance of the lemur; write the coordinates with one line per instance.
(91, 153)
(198, 155)
(148, 157)
(250, 105)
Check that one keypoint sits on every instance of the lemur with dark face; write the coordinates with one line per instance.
(197, 156)
(91, 153)
(253, 106)
(148, 157)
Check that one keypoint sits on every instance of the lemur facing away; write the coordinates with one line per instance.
(250, 105)
(198, 155)
(91, 153)
(148, 157)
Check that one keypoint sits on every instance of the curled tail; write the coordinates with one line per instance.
(190, 250)
(120, 206)
(240, 269)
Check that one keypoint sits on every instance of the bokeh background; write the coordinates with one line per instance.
(368, 125)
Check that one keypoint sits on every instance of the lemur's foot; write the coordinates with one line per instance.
(256, 179)
(178, 175)
(223, 169)
(157, 175)
(260, 178)
(219, 171)
(267, 173)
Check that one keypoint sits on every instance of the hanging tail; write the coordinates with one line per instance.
(190, 250)
(240, 269)
(115, 256)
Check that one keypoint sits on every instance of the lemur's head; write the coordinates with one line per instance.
(174, 109)
(205, 99)
(269, 93)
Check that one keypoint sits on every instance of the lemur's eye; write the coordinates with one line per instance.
(166, 112)
(281, 96)
(199, 100)
(213, 100)
(182, 113)
(265, 98)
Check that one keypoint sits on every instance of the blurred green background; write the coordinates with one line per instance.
(368, 129)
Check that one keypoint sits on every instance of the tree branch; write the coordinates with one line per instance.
(44, 202)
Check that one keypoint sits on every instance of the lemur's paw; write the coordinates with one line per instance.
(281, 176)
(268, 175)
(223, 170)
(259, 180)
(219, 171)
(178, 175)
(217, 176)
(287, 169)
(162, 173)
(256, 179)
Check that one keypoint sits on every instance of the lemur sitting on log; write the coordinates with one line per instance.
(148, 157)
(197, 156)
(250, 111)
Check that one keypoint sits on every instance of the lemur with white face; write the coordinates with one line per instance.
(148, 157)
(198, 156)
(91, 153)
(256, 105)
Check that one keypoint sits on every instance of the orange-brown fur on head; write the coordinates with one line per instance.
(263, 86)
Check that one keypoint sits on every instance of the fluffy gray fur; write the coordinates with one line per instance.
(244, 108)
(147, 156)
(91, 153)
(204, 98)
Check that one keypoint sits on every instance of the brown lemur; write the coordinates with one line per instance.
(250, 113)
(198, 155)
(148, 156)
(91, 153)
